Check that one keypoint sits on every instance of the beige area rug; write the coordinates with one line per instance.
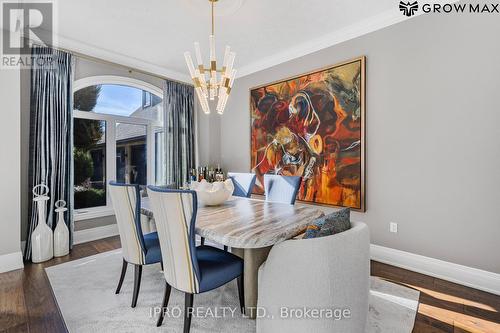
(85, 292)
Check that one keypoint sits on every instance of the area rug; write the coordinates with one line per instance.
(85, 292)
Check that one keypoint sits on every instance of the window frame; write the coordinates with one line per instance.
(111, 121)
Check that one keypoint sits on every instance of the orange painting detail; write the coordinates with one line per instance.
(312, 126)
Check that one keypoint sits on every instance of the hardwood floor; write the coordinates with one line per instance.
(27, 303)
(446, 306)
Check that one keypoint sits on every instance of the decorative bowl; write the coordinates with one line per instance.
(212, 194)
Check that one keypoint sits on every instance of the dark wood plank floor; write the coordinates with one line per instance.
(27, 303)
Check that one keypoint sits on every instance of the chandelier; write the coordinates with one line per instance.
(211, 82)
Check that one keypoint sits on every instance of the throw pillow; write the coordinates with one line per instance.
(330, 224)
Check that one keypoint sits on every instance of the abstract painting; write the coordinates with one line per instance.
(312, 126)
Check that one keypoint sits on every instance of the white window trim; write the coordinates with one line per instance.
(92, 213)
(111, 121)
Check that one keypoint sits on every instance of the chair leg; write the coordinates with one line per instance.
(161, 264)
(225, 248)
(202, 241)
(166, 297)
(241, 293)
(122, 276)
(137, 284)
(188, 306)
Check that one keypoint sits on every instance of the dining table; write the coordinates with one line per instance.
(249, 227)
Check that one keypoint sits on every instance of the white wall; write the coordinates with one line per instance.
(433, 129)
(10, 194)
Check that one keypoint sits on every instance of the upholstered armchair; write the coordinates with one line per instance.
(329, 272)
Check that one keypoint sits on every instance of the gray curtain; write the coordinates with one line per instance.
(178, 108)
(51, 134)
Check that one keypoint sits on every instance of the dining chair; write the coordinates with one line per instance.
(281, 188)
(243, 183)
(330, 272)
(189, 269)
(138, 249)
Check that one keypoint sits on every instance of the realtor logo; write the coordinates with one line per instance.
(25, 23)
(408, 8)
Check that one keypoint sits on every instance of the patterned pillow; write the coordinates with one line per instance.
(330, 224)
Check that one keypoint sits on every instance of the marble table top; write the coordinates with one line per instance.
(250, 223)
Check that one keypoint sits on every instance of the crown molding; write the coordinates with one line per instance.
(118, 58)
(352, 31)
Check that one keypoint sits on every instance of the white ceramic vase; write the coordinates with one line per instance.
(61, 232)
(41, 238)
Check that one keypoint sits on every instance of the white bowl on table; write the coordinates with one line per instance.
(212, 194)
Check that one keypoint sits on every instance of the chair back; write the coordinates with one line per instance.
(175, 218)
(330, 272)
(126, 199)
(281, 188)
(243, 183)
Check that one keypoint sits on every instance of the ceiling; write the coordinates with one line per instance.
(152, 35)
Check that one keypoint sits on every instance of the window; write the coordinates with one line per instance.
(89, 156)
(117, 132)
(131, 154)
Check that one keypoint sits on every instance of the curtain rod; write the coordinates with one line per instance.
(130, 69)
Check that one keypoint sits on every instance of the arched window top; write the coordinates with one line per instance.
(116, 80)
(118, 96)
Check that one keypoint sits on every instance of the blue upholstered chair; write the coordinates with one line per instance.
(243, 183)
(190, 269)
(137, 249)
(281, 188)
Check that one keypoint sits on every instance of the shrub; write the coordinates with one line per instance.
(83, 164)
(90, 198)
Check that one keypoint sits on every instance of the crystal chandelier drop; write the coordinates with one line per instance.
(212, 82)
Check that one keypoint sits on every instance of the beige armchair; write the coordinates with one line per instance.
(316, 285)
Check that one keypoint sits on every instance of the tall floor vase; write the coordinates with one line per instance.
(42, 237)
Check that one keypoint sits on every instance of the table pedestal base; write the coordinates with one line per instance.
(252, 259)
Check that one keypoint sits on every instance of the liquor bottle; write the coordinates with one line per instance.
(211, 175)
(201, 174)
(219, 175)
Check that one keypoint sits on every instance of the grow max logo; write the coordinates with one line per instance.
(410, 8)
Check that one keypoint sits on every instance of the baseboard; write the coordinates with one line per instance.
(88, 235)
(464, 275)
(11, 261)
